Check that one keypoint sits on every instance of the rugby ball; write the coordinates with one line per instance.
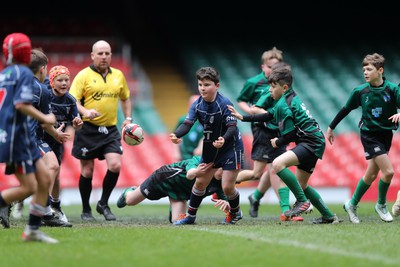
(132, 134)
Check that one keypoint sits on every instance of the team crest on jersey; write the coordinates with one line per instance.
(212, 119)
(386, 98)
(376, 112)
(3, 136)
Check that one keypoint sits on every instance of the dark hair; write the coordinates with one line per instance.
(208, 73)
(375, 60)
(281, 75)
(38, 60)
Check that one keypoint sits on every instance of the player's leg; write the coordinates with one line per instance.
(37, 207)
(196, 196)
(387, 173)
(233, 196)
(177, 209)
(85, 188)
(8, 196)
(280, 166)
(396, 205)
(53, 168)
(109, 182)
(255, 197)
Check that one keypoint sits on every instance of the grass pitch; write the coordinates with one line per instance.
(142, 236)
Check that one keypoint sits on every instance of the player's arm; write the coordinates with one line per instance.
(201, 169)
(263, 117)
(126, 107)
(245, 107)
(338, 118)
(182, 129)
(31, 111)
(88, 113)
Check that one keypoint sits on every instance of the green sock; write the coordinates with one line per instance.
(291, 181)
(284, 201)
(318, 202)
(257, 195)
(382, 191)
(361, 188)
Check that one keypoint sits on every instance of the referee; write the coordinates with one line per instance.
(98, 90)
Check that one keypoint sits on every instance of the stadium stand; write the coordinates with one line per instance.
(324, 75)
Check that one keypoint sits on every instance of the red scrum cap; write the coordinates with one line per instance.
(17, 46)
(55, 71)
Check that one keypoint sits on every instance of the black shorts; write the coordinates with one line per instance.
(307, 159)
(166, 182)
(93, 142)
(376, 143)
(262, 150)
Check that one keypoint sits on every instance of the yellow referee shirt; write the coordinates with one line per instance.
(102, 94)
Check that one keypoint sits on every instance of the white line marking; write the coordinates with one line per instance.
(316, 247)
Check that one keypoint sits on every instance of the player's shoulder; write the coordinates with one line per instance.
(223, 100)
(69, 98)
(256, 78)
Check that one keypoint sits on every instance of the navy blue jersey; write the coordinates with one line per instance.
(41, 101)
(65, 109)
(16, 142)
(215, 118)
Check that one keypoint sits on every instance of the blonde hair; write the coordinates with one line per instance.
(272, 53)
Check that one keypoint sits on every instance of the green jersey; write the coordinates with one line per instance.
(190, 140)
(292, 115)
(170, 180)
(267, 103)
(253, 88)
(377, 104)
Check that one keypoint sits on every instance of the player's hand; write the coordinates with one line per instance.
(219, 142)
(273, 142)
(77, 123)
(395, 118)
(222, 204)
(330, 136)
(202, 168)
(61, 135)
(234, 112)
(174, 139)
(92, 113)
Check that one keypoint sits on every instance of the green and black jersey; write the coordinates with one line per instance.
(293, 115)
(377, 104)
(267, 103)
(253, 88)
(170, 180)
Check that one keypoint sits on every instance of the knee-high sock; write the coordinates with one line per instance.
(85, 189)
(361, 188)
(317, 201)
(291, 181)
(109, 182)
(36, 212)
(382, 191)
(196, 197)
(284, 201)
(234, 201)
(257, 195)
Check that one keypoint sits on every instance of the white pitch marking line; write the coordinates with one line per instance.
(316, 247)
